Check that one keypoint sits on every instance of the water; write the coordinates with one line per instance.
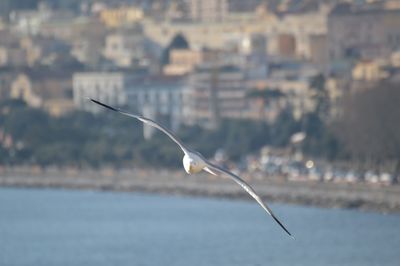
(59, 227)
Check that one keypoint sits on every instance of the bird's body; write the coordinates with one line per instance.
(194, 162)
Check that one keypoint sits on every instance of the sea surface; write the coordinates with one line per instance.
(65, 228)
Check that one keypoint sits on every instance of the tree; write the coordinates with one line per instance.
(283, 128)
(369, 126)
(320, 95)
(266, 96)
(320, 140)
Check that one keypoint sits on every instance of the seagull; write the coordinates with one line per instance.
(194, 162)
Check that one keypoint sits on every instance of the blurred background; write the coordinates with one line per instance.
(300, 97)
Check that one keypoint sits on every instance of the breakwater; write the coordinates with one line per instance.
(362, 196)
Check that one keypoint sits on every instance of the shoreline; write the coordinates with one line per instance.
(364, 197)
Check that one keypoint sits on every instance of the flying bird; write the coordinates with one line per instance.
(194, 162)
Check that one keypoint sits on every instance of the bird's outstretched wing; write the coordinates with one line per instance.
(211, 168)
(147, 121)
(216, 170)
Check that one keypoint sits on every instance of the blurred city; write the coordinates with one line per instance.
(299, 98)
(294, 90)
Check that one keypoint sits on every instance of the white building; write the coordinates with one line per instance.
(159, 97)
(106, 87)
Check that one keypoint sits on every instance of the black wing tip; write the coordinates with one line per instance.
(104, 105)
(283, 227)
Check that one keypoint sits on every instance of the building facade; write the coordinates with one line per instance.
(125, 47)
(362, 33)
(49, 91)
(107, 87)
(184, 61)
(215, 93)
(118, 17)
(158, 97)
(208, 10)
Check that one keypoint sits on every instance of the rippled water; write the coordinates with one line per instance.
(60, 227)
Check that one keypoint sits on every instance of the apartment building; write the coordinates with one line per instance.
(292, 33)
(368, 33)
(214, 93)
(184, 61)
(208, 33)
(158, 97)
(208, 10)
(108, 87)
